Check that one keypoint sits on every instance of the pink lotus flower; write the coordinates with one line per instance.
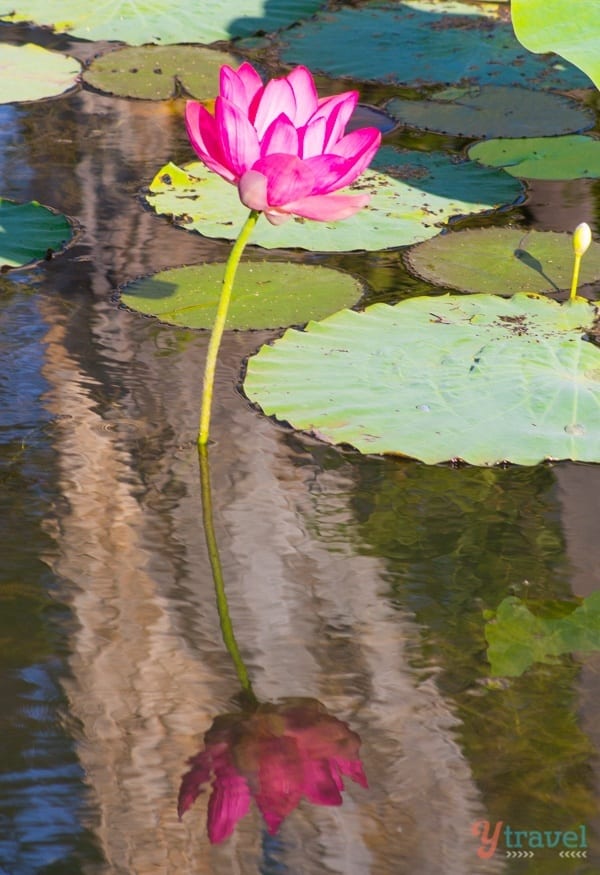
(277, 755)
(282, 145)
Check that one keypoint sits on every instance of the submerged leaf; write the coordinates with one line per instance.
(518, 636)
(478, 378)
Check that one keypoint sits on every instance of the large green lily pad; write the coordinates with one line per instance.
(571, 30)
(479, 378)
(519, 636)
(161, 21)
(30, 72)
(502, 260)
(424, 42)
(413, 194)
(159, 72)
(493, 111)
(569, 157)
(265, 294)
(30, 232)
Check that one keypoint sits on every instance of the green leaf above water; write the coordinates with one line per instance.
(569, 157)
(502, 260)
(30, 232)
(479, 378)
(518, 636)
(266, 294)
(159, 72)
(162, 21)
(30, 72)
(412, 195)
(571, 30)
(493, 111)
(420, 42)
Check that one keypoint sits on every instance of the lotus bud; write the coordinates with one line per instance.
(582, 237)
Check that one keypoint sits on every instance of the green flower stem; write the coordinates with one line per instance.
(219, 325)
(217, 573)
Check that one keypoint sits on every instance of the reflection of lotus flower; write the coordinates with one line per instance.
(276, 754)
(282, 146)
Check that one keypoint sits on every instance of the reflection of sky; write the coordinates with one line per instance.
(41, 794)
(15, 175)
(21, 382)
(273, 848)
(40, 799)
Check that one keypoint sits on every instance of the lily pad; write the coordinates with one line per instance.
(137, 22)
(502, 260)
(493, 111)
(423, 42)
(568, 157)
(159, 72)
(30, 232)
(413, 194)
(558, 26)
(479, 378)
(265, 294)
(518, 636)
(30, 72)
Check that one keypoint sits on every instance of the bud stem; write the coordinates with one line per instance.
(582, 237)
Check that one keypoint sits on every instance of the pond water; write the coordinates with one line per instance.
(358, 582)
